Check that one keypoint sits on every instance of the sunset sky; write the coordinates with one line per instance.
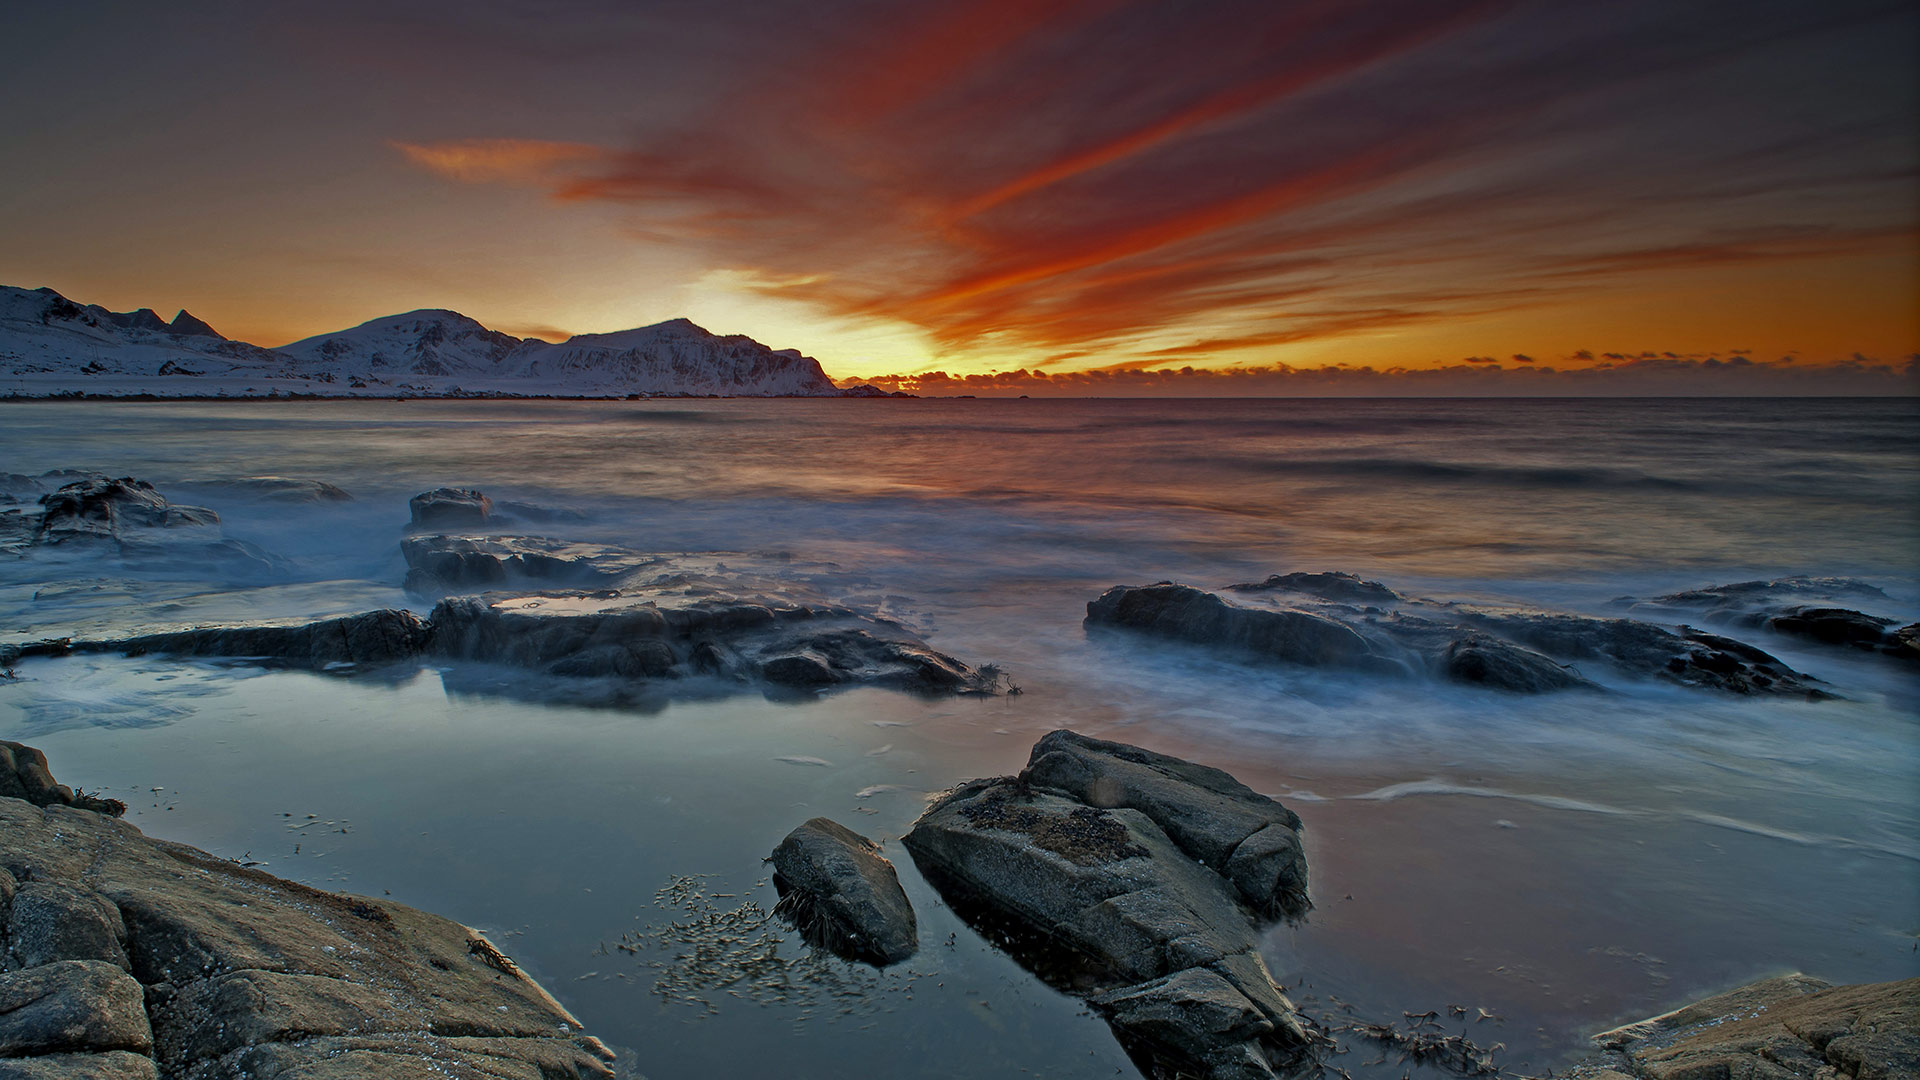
(1056, 186)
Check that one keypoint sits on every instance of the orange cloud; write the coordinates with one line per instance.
(529, 162)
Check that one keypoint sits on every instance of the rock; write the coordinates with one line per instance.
(1106, 902)
(374, 637)
(1313, 620)
(279, 489)
(449, 508)
(112, 1065)
(24, 775)
(1184, 613)
(442, 565)
(1776, 1029)
(112, 510)
(843, 895)
(69, 1006)
(1217, 821)
(781, 643)
(1332, 585)
(235, 972)
(50, 922)
(1799, 607)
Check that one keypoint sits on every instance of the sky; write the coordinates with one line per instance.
(1006, 195)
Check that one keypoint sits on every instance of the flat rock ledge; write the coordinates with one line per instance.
(1337, 620)
(843, 895)
(129, 958)
(1138, 882)
(795, 647)
(1790, 1027)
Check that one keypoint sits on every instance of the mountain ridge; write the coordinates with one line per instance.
(51, 346)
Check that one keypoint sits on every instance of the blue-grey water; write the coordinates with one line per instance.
(1563, 861)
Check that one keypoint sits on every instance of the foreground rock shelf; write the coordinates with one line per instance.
(129, 958)
(1339, 621)
(1791, 1027)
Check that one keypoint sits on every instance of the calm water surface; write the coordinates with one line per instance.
(1564, 861)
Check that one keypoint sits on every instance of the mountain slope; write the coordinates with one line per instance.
(50, 346)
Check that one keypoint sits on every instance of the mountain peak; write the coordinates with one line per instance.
(185, 325)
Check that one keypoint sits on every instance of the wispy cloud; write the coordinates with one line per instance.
(1093, 176)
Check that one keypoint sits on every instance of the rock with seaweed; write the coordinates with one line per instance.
(842, 895)
(1104, 869)
(133, 957)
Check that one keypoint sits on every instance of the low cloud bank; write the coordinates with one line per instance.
(1583, 375)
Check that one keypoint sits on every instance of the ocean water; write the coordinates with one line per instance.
(1564, 862)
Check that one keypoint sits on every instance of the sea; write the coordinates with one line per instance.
(1532, 868)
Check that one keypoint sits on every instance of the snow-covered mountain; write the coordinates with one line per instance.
(50, 345)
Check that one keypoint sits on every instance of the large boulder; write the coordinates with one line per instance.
(136, 958)
(448, 508)
(843, 895)
(1102, 900)
(1251, 840)
(1184, 613)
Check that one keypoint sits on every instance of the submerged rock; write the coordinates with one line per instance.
(131, 520)
(213, 970)
(449, 508)
(1807, 608)
(1136, 881)
(374, 637)
(1337, 620)
(278, 489)
(1776, 1029)
(843, 895)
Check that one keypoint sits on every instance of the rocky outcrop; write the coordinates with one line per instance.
(1136, 881)
(1806, 608)
(1336, 620)
(131, 957)
(783, 645)
(842, 895)
(449, 508)
(1786, 1028)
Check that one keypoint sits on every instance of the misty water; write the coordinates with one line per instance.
(1563, 861)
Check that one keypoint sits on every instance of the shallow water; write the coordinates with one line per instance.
(1564, 862)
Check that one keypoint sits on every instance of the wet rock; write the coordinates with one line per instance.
(50, 922)
(607, 635)
(442, 565)
(1806, 608)
(374, 637)
(1106, 902)
(235, 972)
(843, 895)
(1775, 1029)
(24, 775)
(72, 1006)
(1188, 614)
(1338, 621)
(112, 510)
(1216, 820)
(277, 489)
(449, 508)
(1332, 585)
